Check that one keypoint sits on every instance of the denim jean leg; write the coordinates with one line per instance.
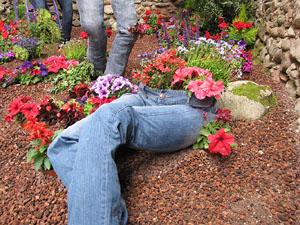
(92, 22)
(62, 151)
(67, 12)
(122, 45)
(94, 195)
(39, 4)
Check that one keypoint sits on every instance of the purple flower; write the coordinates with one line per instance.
(43, 70)
(242, 44)
(26, 65)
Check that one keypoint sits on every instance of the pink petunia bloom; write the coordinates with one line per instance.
(220, 142)
(31, 109)
(185, 73)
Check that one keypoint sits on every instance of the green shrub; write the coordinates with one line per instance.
(49, 30)
(242, 29)
(67, 79)
(74, 49)
(21, 53)
(210, 10)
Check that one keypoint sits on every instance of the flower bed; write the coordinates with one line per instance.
(200, 65)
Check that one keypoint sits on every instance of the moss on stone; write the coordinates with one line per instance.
(258, 93)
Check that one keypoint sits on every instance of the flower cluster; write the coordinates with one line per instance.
(55, 63)
(215, 135)
(6, 77)
(205, 88)
(241, 25)
(154, 20)
(20, 109)
(111, 85)
(158, 72)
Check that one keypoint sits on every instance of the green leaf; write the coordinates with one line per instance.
(234, 144)
(31, 154)
(206, 145)
(47, 164)
(36, 143)
(43, 148)
(38, 162)
(227, 129)
(204, 131)
(200, 139)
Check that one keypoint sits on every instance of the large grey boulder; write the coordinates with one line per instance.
(246, 99)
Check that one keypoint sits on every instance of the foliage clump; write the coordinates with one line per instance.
(47, 27)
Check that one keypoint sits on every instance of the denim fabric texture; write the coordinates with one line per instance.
(162, 121)
(92, 22)
(67, 12)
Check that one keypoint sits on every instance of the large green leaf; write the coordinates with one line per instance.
(38, 162)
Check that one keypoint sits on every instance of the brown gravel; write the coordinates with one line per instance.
(257, 184)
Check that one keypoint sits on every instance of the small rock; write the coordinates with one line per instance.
(282, 217)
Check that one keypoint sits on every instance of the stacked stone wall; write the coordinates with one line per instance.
(279, 41)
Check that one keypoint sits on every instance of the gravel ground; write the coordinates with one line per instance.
(258, 183)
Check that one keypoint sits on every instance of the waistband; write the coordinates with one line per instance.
(175, 97)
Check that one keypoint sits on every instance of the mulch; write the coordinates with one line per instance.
(258, 183)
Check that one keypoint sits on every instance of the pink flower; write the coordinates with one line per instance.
(220, 142)
(185, 73)
(15, 107)
(31, 109)
(207, 88)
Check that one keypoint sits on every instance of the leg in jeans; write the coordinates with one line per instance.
(39, 4)
(125, 14)
(91, 19)
(63, 149)
(67, 12)
(94, 192)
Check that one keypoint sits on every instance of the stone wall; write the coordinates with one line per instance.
(279, 41)
(168, 9)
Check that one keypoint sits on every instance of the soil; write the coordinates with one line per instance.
(258, 183)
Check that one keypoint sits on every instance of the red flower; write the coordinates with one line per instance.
(5, 34)
(83, 35)
(220, 142)
(31, 109)
(148, 12)
(48, 108)
(109, 32)
(145, 19)
(248, 25)
(223, 25)
(223, 115)
(160, 17)
(15, 107)
(158, 12)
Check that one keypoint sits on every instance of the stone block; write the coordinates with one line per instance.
(276, 76)
(243, 104)
(291, 88)
(285, 44)
(295, 49)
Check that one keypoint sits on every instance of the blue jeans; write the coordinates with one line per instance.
(67, 12)
(92, 22)
(162, 121)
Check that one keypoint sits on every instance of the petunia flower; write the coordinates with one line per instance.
(31, 109)
(220, 142)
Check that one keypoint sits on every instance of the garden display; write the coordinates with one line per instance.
(46, 91)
